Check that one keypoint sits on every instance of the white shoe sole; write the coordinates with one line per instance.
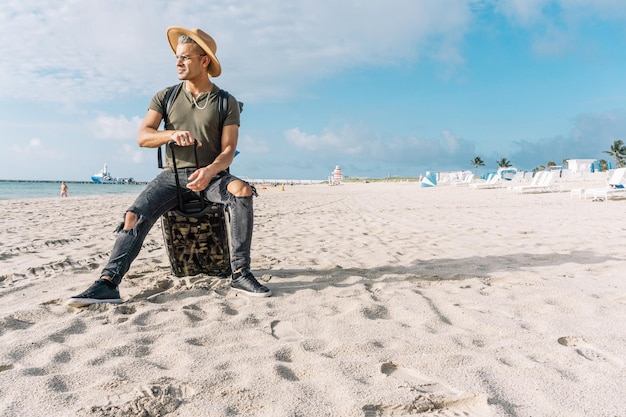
(83, 302)
(253, 294)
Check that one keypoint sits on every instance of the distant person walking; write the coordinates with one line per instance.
(63, 189)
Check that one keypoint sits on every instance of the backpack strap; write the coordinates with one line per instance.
(223, 107)
(170, 95)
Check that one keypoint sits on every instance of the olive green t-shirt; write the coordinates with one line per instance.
(201, 121)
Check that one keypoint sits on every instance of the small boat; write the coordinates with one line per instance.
(104, 177)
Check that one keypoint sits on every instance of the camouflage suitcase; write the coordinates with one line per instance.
(196, 236)
(198, 245)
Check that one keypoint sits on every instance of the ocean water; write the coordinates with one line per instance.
(17, 190)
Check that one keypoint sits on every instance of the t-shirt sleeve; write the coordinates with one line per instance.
(156, 103)
(233, 116)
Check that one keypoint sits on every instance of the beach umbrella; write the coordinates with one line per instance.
(429, 180)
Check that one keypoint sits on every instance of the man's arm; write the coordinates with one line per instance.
(200, 179)
(149, 136)
(230, 136)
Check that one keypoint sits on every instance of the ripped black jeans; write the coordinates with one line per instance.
(159, 197)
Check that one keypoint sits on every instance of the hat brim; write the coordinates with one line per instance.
(202, 39)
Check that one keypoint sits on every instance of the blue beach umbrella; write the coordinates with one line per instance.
(429, 180)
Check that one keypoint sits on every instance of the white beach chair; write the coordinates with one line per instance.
(544, 183)
(533, 183)
(466, 181)
(616, 187)
(491, 182)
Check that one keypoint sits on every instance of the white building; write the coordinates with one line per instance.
(580, 165)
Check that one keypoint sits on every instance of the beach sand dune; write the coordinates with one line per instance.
(389, 300)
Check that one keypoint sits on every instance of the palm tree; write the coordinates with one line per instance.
(504, 163)
(477, 162)
(604, 165)
(618, 152)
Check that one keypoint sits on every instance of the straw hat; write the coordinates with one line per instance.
(205, 41)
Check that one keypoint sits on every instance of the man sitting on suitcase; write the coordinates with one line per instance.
(193, 116)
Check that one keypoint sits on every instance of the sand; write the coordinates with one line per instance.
(389, 300)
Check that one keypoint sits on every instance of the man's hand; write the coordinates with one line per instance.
(200, 179)
(183, 138)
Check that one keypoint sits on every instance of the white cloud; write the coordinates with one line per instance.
(301, 139)
(250, 144)
(531, 12)
(344, 140)
(36, 150)
(524, 12)
(77, 51)
(363, 145)
(132, 154)
(591, 135)
(117, 128)
(89, 51)
(556, 24)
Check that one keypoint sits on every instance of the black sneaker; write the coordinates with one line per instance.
(101, 291)
(245, 282)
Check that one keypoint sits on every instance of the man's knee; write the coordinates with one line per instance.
(130, 220)
(239, 188)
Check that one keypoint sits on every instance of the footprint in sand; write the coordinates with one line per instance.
(148, 400)
(283, 330)
(588, 351)
(6, 367)
(150, 294)
(434, 397)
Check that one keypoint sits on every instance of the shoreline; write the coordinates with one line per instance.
(74, 182)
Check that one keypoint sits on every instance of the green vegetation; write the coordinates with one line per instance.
(618, 152)
(388, 179)
(504, 163)
(477, 162)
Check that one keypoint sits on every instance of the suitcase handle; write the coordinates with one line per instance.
(194, 208)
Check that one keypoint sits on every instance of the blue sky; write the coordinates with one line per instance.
(380, 88)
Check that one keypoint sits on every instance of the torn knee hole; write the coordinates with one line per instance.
(130, 220)
(240, 189)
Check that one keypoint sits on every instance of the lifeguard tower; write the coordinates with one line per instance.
(337, 176)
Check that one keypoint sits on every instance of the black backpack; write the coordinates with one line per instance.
(170, 96)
